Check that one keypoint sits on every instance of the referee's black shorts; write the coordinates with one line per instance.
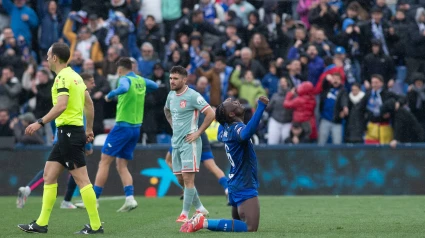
(70, 147)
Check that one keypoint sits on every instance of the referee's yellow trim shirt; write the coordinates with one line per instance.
(68, 82)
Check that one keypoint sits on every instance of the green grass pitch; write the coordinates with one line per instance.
(351, 216)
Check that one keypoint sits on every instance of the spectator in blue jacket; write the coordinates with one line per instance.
(23, 18)
(316, 65)
(51, 26)
(147, 59)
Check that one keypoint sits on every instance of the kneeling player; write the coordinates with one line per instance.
(243, 180)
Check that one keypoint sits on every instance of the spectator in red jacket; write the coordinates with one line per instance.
(303, 103)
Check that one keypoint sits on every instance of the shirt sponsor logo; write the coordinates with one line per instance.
(182, 103)
(187, 161)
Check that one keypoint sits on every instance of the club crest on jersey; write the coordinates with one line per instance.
(182, 103)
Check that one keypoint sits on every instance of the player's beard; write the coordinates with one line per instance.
(177, 87)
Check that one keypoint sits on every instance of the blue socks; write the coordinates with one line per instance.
(227, 225)
(129, 190)
(223, 182)
(97, 191)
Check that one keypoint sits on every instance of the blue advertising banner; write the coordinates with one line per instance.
(283, 170)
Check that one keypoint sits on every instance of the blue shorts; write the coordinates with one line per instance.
(206, 155)
(121, 142)
(237, 198)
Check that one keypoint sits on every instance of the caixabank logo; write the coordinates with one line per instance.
(161, 179)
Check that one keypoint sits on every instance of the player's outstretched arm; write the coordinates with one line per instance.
(89, 113)
(123, 87)
(167, 113)
(150, 85)
(248, 131)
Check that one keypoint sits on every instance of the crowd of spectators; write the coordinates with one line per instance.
(336, 71)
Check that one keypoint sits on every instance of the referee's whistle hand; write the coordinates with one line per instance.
(32, 128)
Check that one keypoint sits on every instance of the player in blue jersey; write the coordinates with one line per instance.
(243, 180)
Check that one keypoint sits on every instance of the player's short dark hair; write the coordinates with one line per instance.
(377, 76)
(62, 51)
(4, 110)
(125, 62)
(179, 70)
(220, 114)
(86, 76)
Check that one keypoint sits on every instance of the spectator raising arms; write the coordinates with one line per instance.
(333, 109)
(249, 88)
(301, 101)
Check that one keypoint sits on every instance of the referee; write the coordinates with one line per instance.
(70, 100)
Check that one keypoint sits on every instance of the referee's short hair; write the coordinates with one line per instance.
(61, 50)
(86, 76)
(179, 70)
(125, 62)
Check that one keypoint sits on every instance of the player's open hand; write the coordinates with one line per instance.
(192, 137)
(107, 99)
(32, 128)
(264, 100)
(89, 136)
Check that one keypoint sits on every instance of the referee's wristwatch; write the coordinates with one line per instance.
(40, 121)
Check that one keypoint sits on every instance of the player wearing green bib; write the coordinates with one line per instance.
(70, 100)
(122, 140)
(182, 112)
